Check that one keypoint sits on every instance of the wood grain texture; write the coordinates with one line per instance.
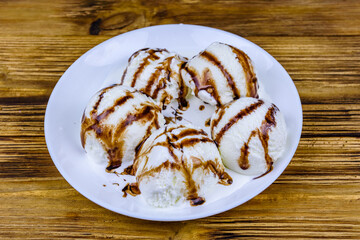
(317, 42)
(261, 17)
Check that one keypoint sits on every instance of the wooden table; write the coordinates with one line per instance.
(318, 43)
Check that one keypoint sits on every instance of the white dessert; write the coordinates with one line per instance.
(220, 74)
(156, 72)
(116, 120)
(178, 163)
(250, 133)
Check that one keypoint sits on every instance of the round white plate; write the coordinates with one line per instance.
(103, 65)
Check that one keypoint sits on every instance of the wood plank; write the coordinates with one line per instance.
(283, 210)
(311, 64)
(260, 17)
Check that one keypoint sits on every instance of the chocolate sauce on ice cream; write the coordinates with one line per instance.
(109, 127)
(156, 73)
(220, 74)
(141, 122)
(184, 159)
(259, 129)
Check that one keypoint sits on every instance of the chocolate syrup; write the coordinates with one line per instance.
(251, 80)
(177, 142)
(146, 61)
(132, 189)
(112, 137)
(248, 110)
(213, 59)
(207, 122)
(128, 171)
(197, 201)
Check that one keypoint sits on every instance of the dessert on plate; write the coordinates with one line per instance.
(175, 163)
(220, 74)
(250, 133)
(178, 163)
(156, 72)
(116, 120)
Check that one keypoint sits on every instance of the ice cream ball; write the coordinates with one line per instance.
(116, 120)
(156, 72)
(178, 163)
(220, 74)
(250, 134)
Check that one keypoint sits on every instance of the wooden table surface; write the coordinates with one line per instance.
(318, 43)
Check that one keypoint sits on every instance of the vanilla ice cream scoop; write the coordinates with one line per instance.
(250, 134)
(116, 120)
(178, 163)
(156, 72)
(220, 74)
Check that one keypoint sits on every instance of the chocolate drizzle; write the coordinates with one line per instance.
(197, 201)
(132, 189)
(183, 91)
(176, 142)
(207, 83)
(112, 137)
(269, 170)
(225, 179)
(165, 165)
(220, 113)
(261, 132)
(189, 132)
(146, 61)
(164, 67)
(244, 155)
(244, 112)
(265, 127)
(94, 121)
(163, 74)
(251, 80)
(128, 171)
(169, 120)
(211, 58)
(108, 111)
(192, 141)
(135, 54)
(207, 122)
(204, 80)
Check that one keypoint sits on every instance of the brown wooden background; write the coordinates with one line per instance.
(318, 43)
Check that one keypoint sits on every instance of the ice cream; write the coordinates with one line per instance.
(220, 74)
(250, 133)
(116, 120)
(178, 163)
(156, 72)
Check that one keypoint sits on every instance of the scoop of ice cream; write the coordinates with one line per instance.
(220, 74)
(178, 163)
(250, 133)
(116, 120)
(156, 72)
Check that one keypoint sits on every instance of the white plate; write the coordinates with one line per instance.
(103, 65)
